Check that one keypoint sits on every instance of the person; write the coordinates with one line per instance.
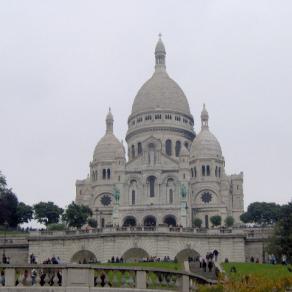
(2, 278)
(216, 253)
(252, 259)
(284, 260)
(33, 276)
(4, 259)
(204, 265)
(210, 266)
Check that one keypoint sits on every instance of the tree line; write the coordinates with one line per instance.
(14, 213)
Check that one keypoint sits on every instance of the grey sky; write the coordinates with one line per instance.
(63, 63)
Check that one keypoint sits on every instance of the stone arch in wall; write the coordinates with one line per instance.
(130, 221)
(184, 254)
(83, 256)
(170, 220)
(134, 254)
(149, 220)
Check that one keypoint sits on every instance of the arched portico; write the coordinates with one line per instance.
(134, 254)
(185, 254)
(170, 220)
(130, 221)
(83, 257)
(149, 220)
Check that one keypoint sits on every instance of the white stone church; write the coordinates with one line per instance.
(171, 175)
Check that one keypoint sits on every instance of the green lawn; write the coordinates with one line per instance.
(159, 265)
(259, 270)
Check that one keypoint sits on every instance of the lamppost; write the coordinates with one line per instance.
(4, 259)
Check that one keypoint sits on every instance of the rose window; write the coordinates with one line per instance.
(105, 200)
(206, 197)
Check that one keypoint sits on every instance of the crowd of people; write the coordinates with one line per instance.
(5, 259)
(207, 262)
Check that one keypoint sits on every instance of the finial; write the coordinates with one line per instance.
(204, 117)
(109, 121)
(160, 54)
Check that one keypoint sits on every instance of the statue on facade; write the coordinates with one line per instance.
(183, 191)
(116, 192)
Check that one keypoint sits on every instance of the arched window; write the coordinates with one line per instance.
(104, 174)
(151, 181)
(170, 196)
(96, 175)
(139, 148)
(208, 170)
(219, 172)
(192, 170)
(195, 172)
(133, 197)
(133, 151)
(203, 170)
(108, 173)
(216, 171)
(177, 148)
(187, 145)
(102, 222)
(168, 146)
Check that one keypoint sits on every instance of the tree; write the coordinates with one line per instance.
(47, 212)
(281, 241)
(92, 222)
(11, 211)
(216, 220)
(8, 204)
(197, 222)
(76, 215)
(24, 213)
(261, 213)
(229, 221)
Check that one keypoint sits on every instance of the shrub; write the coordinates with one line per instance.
(229, 221)
(56, 227)
(216, 220)
(197, 222)
(92, 222)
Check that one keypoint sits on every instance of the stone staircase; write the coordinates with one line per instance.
(195, 268)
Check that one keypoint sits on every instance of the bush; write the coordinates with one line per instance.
(92, 222)
(216, 220)
(197, 222)
(56, 227)
(229, 221)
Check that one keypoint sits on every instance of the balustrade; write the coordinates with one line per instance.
(97, 276)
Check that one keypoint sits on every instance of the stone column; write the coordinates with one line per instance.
(10, 277)
(140, 279)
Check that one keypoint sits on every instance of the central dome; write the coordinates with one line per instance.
(160, 92)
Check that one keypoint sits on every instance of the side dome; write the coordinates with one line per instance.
(109, 145)
(205, 145)
(160, 91)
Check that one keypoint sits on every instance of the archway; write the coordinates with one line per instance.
(184, 254)
(130, 221)
(169, 220)
(83, 257)
(134, 254)
(149, 221)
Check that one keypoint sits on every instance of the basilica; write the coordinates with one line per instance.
(171, 175)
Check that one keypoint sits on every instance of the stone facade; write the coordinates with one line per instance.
(171, 175)
(102, 247)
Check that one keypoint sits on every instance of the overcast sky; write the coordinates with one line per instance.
(63, 63)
